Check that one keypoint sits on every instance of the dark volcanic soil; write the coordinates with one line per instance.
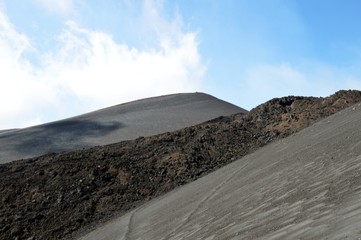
(55, 195)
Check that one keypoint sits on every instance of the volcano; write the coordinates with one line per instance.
(290, 168)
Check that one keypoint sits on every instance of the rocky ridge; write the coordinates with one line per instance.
(55, 195)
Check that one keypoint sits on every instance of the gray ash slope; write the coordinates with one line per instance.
(127, 121)
(61, 195)
(306, 186)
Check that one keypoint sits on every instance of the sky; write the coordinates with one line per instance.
(63, 58)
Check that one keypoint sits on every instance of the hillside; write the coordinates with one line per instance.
(55, 195)
(305, 186)
(126, 121)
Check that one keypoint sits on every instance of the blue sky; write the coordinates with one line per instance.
(64, 58)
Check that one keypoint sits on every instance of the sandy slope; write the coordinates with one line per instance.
(306, 186)
(122, 122)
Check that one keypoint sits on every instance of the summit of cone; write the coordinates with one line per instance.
(126, 121)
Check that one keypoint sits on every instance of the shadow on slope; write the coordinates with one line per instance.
(63, 135)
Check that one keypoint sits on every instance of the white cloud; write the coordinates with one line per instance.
(19, 84)
(270, 80)
(101, 72)
(61, 7)
(12, 42)
(89, 71)
(151, 17)
(264, 82)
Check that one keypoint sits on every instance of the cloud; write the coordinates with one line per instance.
(264, 82)
(99, 71)
(267, 81)
(62, 7)
(12, 42)
(19, 84)
(151, 17)
(89, 71)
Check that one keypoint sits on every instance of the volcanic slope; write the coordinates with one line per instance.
(114, 124)
(53, 196)
(307, 186)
